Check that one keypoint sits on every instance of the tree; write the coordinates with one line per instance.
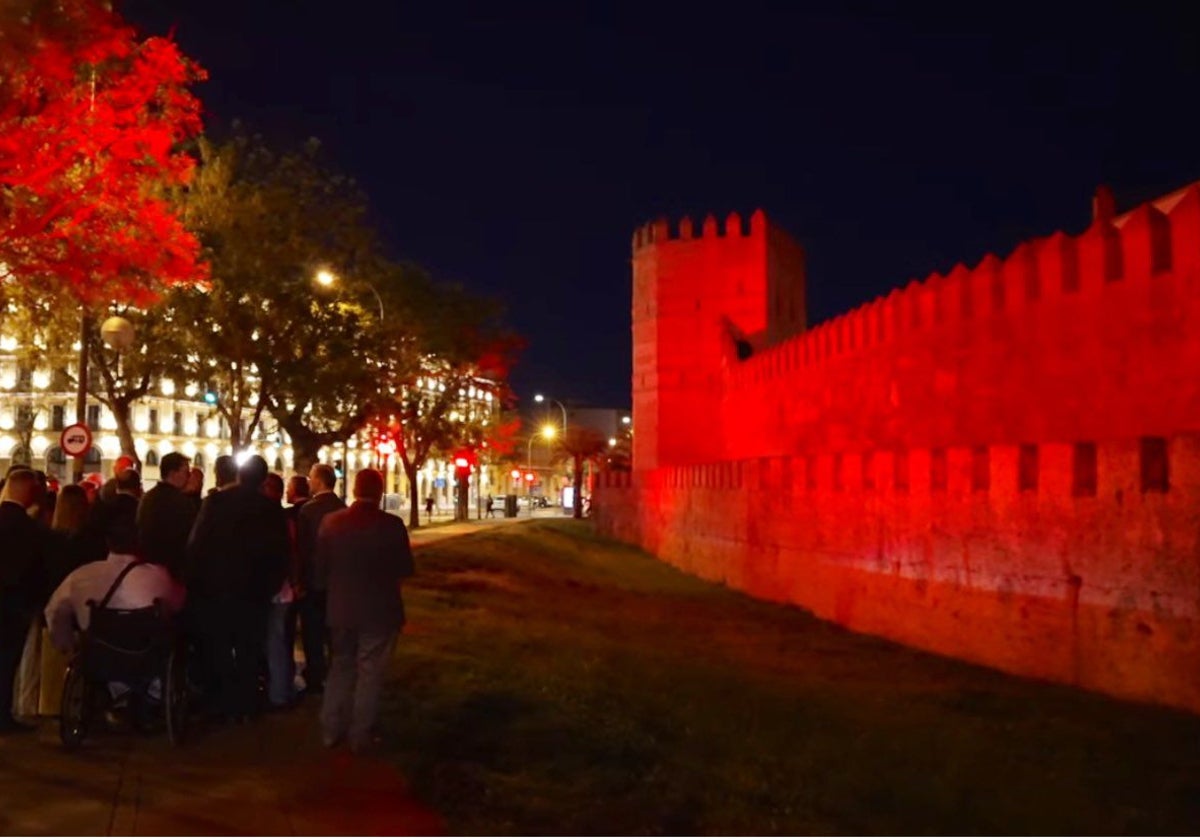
(580, 445)
(260, 336)
(91, 122)
(463, 350)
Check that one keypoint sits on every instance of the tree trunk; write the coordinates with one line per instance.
(577, 494)
(305, 449)
(120, 410)
(463, 485)
(414, 503)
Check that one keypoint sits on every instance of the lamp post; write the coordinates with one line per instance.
(327, 278)
(538, 398)
(546, 432)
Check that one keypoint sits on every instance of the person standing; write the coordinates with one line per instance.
(22, 584)
(123, 463)
(362, 556)
(237, 558)
(280, 666)
(313, 633)
(165, 516)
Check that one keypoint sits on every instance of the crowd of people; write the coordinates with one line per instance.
(242, 575)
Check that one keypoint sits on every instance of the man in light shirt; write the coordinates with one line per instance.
(68, 608)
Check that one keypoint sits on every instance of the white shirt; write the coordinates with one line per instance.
(68, 605)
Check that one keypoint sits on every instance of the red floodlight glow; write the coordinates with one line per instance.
(529, 476)
(516, 474)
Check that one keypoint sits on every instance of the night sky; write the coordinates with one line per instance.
(513, 147)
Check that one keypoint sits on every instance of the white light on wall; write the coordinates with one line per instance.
(141, 422)
(244, 456)
(41, 379)
(211, 428)
(110, 446)
(107, 421)
(612, 441)
(8, 343)
(41, 422)
(8, 380)
(6, 420)
(165, 422)
(189, 449)
(38, 444)
(210, 451)
(168, 387)
(6, 445)
(626, 420)
(190, 426)
(352, 461)
(191, 390)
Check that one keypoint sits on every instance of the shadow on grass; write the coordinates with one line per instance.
(553, 682)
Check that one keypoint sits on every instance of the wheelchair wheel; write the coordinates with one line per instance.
(176, 695)
(76, 708)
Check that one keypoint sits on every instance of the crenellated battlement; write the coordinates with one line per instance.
(1152, 239)
(661, 230)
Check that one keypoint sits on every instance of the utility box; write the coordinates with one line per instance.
(510, 506)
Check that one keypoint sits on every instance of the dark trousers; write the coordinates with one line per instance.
(314, 635)
(232, 633)
(14, 626)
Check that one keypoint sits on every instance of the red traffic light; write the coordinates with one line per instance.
(462, 463)
(529, 476)
(516, 474)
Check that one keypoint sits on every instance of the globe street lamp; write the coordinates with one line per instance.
(538, 398)
(328, 279)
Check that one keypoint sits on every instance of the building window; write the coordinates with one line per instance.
(151, 458)
(938, 472)
(178, 423)
(1083, 470)
(24, 417)
(1027, 468)
(58, 418)
(154, 421)
(93, 417)
(1155, 466)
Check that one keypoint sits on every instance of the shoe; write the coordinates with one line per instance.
(12, 726)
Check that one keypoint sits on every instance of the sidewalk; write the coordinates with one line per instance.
(271, 777)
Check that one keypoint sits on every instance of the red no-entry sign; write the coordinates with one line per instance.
(76, 440)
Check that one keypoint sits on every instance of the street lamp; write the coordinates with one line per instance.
(538, 398)
(546, 432)
(328, 279)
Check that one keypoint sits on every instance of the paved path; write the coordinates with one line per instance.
(271, 777)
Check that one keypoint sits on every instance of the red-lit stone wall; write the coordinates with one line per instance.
(1001, 465)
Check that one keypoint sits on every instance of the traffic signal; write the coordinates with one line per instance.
(516, 475)
(210, 397)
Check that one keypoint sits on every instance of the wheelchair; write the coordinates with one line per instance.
(134, 647)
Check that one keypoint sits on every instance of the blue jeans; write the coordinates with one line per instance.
(281, 667)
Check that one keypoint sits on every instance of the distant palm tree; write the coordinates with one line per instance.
(581, 445)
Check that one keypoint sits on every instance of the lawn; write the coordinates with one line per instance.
(553, 682)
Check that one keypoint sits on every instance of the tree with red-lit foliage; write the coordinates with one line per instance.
(91, 124)
(460, 352)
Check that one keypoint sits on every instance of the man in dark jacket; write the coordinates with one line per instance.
(362, 555)
(237, 557)
(165, 516)
(22, 584)
(311, 607)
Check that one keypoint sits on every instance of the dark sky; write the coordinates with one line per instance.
(514, 147)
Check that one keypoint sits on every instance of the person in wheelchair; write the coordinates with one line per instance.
(141, 584)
